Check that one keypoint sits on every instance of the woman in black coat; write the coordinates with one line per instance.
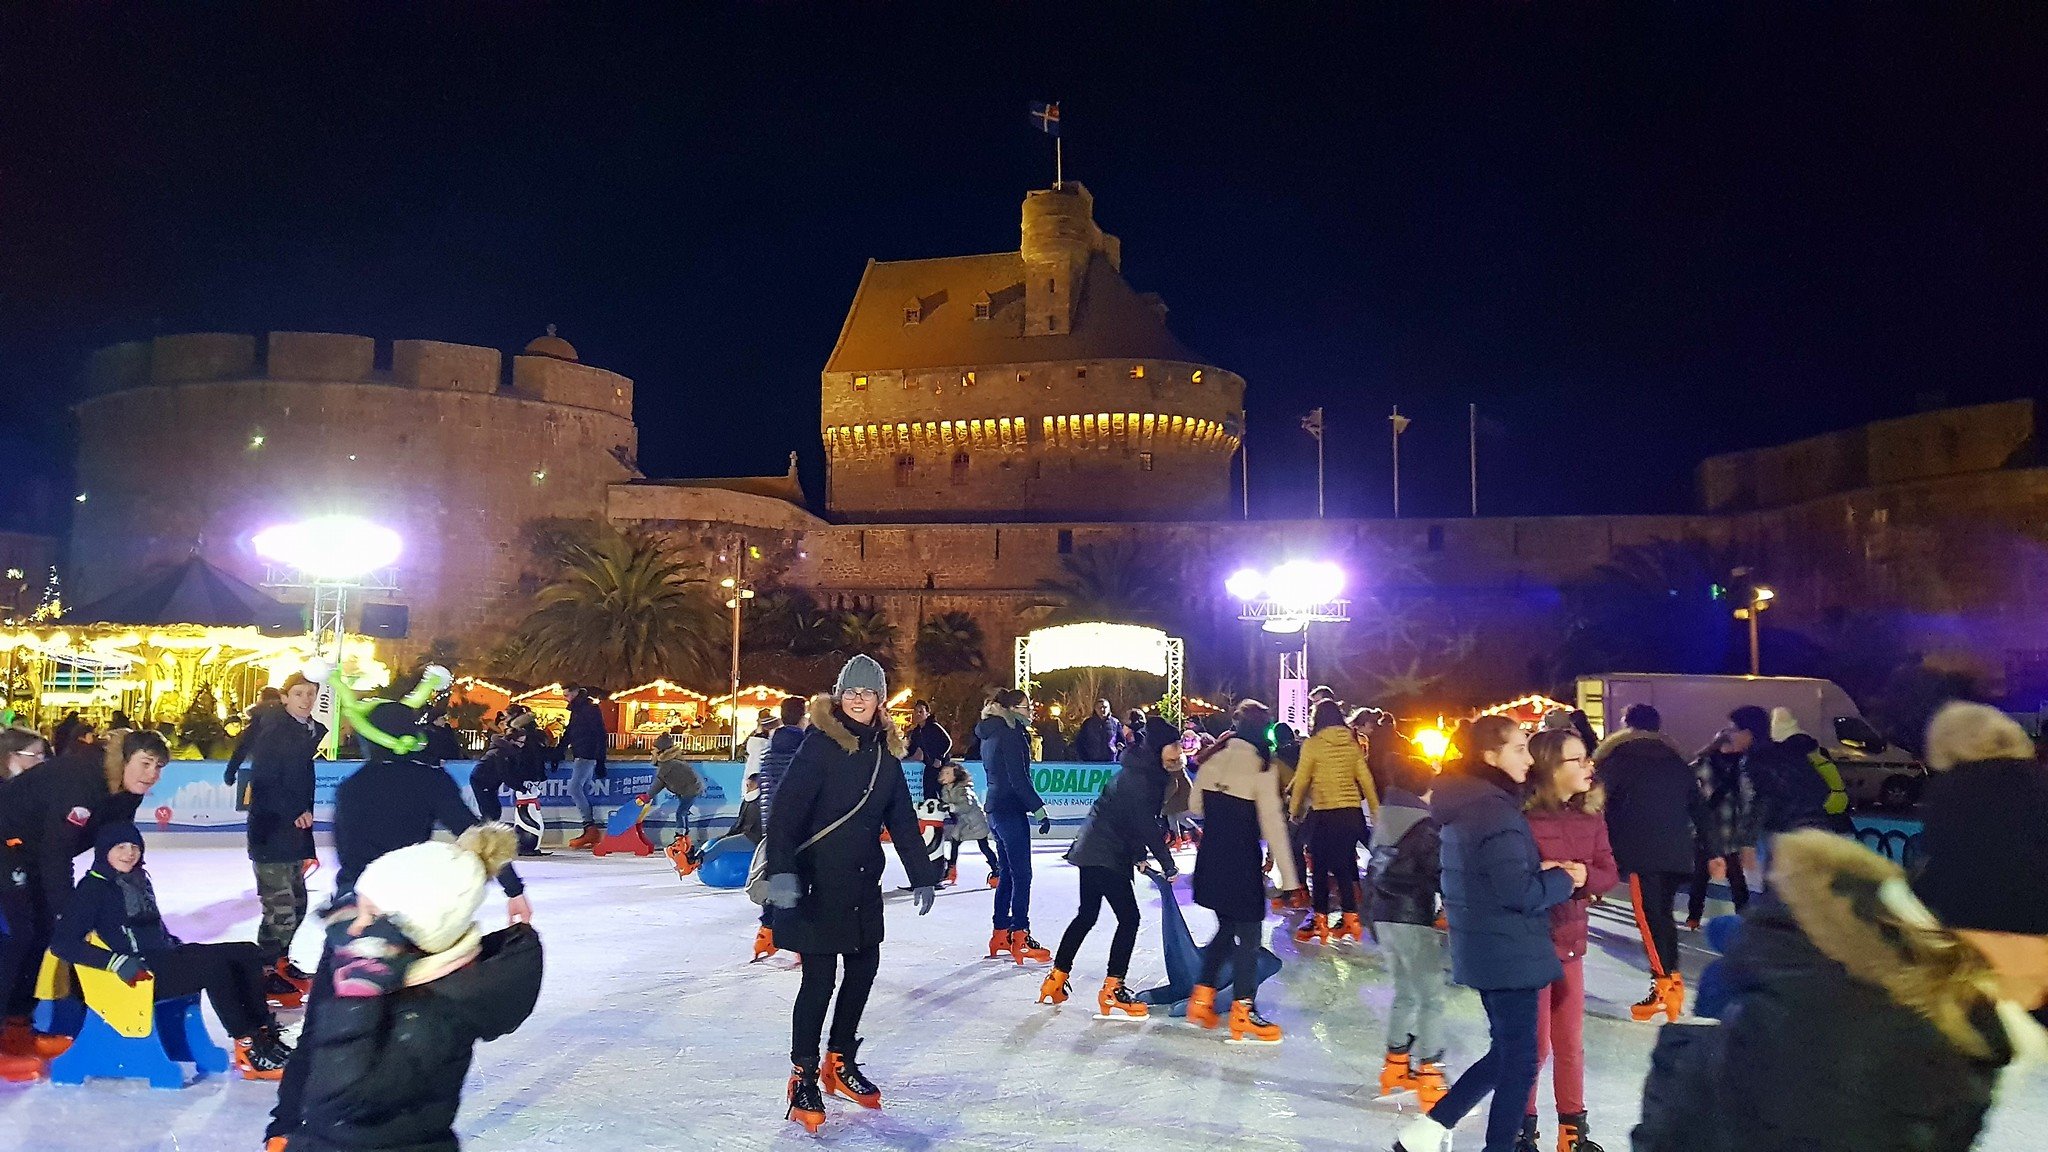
(1121, 829)
(824, 865)
(1857, 1021)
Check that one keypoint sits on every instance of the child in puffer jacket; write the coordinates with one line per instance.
(965, 821)
(1564, 815)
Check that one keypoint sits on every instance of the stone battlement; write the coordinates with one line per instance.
(317, 357)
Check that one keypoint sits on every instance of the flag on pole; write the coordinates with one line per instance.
(1313, 423)
(1046, 117)
(1400, 422)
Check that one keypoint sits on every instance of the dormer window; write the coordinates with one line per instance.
(983, 307)
(913, 312)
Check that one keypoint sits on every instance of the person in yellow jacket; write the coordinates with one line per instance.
(1332, 791)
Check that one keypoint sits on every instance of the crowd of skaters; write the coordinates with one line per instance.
(1496, 860)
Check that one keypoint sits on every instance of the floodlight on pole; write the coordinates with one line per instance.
(329, 556)
(1285, 601)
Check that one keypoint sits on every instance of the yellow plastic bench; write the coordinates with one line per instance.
(126, 1033)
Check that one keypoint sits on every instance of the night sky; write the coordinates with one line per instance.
(1633, 234)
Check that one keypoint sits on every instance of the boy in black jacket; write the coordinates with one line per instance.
(1402, 882)
(280, 804)
(116, 902)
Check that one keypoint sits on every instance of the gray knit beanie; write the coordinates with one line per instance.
(862, 672)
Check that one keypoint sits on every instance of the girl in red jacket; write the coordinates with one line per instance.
(1564, 813)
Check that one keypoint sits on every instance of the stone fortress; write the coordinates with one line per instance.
(985, 418)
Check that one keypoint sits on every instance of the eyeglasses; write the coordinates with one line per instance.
(860, 694)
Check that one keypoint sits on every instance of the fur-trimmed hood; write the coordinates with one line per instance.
(1963, 733)
(825, 719)
(1627, 735)
(1856, 908)
(1011, 716)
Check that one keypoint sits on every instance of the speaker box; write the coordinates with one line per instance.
(388, 621)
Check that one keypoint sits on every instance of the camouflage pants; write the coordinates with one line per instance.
(282, 889)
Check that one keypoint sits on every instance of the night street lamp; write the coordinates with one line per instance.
(1760, 599)
(737, 593)
(1285, 601)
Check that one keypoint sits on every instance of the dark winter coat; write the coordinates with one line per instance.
(1497, 894)
(390, 804)
(748, 823)
(1837, 1037)
(1006, 761)
(929, 743)
(584, 738)
(782, 746)
(247, 737)
(52, 812)
(281, 787)
(1985, 841)
(1580, 835)
(1403, 871)
(1095, 741)
(1123, 824)
(1724, 815)
(1790, 793)
(1650, 794)
(443, 745)
(386, 1072)
(101, 904)
(841, 875)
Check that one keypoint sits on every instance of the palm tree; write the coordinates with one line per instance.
(1652, 607)
(623, 608)
(866, 630)
(1111, 582)
(948, 643)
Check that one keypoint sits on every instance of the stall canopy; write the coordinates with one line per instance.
(191, 592)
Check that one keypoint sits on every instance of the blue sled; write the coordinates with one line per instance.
(1184, 960)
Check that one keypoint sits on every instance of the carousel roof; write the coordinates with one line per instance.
(191, 592)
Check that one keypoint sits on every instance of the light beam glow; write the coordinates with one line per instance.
(331, 547)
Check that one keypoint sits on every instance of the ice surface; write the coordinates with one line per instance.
(653, 1032)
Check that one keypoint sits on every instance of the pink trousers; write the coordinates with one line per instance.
(1561, 1030)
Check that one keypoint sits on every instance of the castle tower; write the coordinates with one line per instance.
(1026, 385)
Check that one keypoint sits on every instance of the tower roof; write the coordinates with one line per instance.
(551, 345)
(966, 310)
(1113, 320)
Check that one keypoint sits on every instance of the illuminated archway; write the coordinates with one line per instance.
(1099, 645)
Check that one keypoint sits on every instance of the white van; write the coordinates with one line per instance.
(1694, 708)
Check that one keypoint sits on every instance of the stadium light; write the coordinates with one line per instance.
(331, 547)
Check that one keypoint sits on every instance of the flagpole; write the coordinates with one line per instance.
(1244, 464)
(1396, 423)
(1059, 164)
(1319, 463)
(1472, 451)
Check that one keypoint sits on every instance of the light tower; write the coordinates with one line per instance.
(1285, 601)
(329, 557)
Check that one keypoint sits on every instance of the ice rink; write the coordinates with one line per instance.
(653, 1032)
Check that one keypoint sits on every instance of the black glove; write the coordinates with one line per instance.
(129, 969)
(1045, 825)
(373, 962)
(923, 897)
(228, 777)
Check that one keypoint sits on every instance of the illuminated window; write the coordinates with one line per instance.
(905, 465)
(1144, 461)
(1137, 371)
(966, 378)
(959, 467)
(860, 383)
(1197, 377)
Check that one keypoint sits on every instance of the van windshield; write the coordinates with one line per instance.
(1855, 732)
